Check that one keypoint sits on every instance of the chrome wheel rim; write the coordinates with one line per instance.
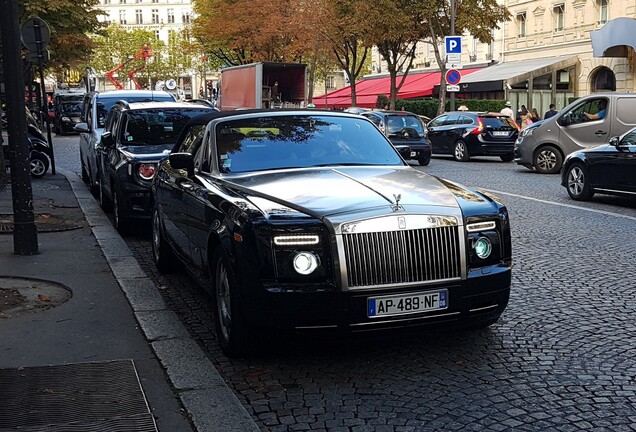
(156, 235)
(546, 160)
(459, 150)
(37, 167)
(576, 181)
(223, 300)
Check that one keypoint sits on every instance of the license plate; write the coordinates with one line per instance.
(413, 154)
(500, 133)
(407, 303)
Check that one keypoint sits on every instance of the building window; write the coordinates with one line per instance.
(157, 34)
(137, 1)
(559, 16)
(122, 17)
(603, 6)
(155, 16)
(122, 1)
(185, 17)
(330, 83)
(139, 17)
(171, 16)
(155, 1)
(521, 22)
(106, 2)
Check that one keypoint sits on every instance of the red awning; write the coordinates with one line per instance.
(367, 90)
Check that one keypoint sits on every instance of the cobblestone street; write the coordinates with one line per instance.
(561, 357)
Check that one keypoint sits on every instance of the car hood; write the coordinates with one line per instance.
(322, 192)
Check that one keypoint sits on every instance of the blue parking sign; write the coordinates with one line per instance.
(453, 44)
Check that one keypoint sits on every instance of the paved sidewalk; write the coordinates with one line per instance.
(112, 312)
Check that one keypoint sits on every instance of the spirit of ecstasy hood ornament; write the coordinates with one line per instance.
(397, 207)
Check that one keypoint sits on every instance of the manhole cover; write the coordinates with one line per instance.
(19, 296)
(44, 222)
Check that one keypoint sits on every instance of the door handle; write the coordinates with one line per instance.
(600, 132)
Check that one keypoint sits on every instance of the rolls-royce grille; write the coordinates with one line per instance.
(403, 256)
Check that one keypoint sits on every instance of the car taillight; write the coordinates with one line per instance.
(479, 128)
(147, 171)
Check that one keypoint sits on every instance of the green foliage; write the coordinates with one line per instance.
(382, 101)
(428, 107)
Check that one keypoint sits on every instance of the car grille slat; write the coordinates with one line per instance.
(405, 256)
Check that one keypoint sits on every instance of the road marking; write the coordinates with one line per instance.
(563, 205)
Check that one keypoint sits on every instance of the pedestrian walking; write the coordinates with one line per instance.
(551, 112)
(522, 116)
(534, 115)
(507, 110)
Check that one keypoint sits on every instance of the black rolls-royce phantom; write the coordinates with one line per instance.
(308, 219)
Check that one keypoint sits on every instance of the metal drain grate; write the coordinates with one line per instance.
(100, 397)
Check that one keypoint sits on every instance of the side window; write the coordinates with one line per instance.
(192, 140)
(85, 105)
(438, 121)
(202, 155)
(89, 114)
(374, 119)
(110, 121)
(451, 120)
(465, 120)
(629, 138)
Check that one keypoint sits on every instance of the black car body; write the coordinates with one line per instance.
(464, 134)
(68, 110)
(136, 137)
(310, 220)
(404, 129)
(606, 169)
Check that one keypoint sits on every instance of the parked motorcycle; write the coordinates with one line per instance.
(38, 149)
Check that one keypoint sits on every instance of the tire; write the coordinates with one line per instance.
(231, 329)
(424, 161)
(507, 158)
(460, 151)
(164, 258)
(120, 220)
(578, 183)
(39, 164)
(547, 160)
(104, 202)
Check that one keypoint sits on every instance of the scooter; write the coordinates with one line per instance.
(38, 151)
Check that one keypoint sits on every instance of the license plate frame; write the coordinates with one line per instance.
(500, 133)
(389, 305)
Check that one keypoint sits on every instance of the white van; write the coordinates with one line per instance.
(543, 145)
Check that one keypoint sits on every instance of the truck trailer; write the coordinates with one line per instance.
(263, 85)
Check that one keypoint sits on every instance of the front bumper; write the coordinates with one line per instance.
(524, 150)
(481, 297)
(136, 198)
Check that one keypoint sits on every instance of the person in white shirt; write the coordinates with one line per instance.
(508, 111)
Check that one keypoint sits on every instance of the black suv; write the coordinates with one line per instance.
(466, 134)
(403, 128)
(136, 137)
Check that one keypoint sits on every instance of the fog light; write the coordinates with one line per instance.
(305, 263)
(482, 247)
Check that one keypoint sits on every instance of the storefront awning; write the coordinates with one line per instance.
(495, 78)
(416, 85)
(614, 37)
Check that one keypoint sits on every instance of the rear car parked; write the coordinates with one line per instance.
(464, 134)
(403, 129)
(137, 136)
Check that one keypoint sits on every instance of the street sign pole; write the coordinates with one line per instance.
(25, 234)
(452, 33)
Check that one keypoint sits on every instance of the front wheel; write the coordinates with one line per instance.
(578, 183)
(162, 254)
(39, 164)
(548, 160)
(424, 161)
(231, 329)
(460, 152)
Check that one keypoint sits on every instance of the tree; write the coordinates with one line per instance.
(71, 21)
(477, 17)
(395, 35)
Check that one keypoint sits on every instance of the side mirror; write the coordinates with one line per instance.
(81, 128)
(182, 161)
(107, 140)
(615, 141)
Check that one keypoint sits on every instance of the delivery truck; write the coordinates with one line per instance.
(263, 85)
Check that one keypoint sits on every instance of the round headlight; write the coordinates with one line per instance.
(482, 247)
(305, 263)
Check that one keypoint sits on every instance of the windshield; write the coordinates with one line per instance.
(299, 141)
(157, 126)
(71, 108)
(104, 104)
(397, 123)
